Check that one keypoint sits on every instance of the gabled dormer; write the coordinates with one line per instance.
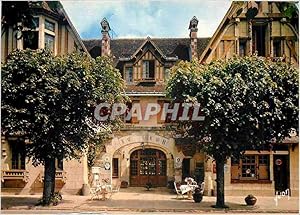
(261, 28)
(147, 64)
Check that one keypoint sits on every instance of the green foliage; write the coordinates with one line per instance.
(50, 100)
(247, 102)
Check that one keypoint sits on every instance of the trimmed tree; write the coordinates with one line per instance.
(50, 101)
(248, 103)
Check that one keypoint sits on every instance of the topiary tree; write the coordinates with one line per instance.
(248, 103)
(50, 101)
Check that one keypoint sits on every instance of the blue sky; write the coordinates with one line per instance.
(142, 18)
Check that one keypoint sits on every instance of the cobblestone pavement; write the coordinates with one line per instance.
(136, 200)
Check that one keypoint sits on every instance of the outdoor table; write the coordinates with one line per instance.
(188, 188)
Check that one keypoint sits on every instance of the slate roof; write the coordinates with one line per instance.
(171, 47)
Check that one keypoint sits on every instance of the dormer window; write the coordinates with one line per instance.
(148, 69)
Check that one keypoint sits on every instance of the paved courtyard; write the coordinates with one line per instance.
(139, 200)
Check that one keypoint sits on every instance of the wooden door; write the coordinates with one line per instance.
(148, 166)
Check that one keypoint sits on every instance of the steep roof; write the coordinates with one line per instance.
(123, 48)
(56, 10)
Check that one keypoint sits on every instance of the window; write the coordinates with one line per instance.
(59, 165)
(36, 22)
(30, 40)
(128, 74)
(17, 155)
(148, 69)
(242, 48)
(250, 167)
(49, 26)
(258, 39)
(115, 167)
(49, 42)
(167, 73)
(277, 48)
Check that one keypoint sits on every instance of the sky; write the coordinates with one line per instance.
(142, 18)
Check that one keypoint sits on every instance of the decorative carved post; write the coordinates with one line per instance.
(105, 43)
(193, 35)
(250, 37)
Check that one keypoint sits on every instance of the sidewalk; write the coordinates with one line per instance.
(157, 200)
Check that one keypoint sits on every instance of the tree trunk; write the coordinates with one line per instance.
(49, 180)
(220, 183)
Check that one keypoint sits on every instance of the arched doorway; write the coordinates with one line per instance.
(148, 165)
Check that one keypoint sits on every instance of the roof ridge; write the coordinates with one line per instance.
(152, 38)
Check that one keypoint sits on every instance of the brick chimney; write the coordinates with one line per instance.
(193, 35)
(105, 43)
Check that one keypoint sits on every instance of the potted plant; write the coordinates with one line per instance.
(250, 199)
(197, 196)
(148, 185)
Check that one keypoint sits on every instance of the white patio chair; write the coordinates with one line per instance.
(95, 192)
(202, 187)
(115, 190)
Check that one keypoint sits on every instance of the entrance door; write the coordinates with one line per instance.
(281, 172)
(148, 165)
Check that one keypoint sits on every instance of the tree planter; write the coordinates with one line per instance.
(197, 196)
(250, 200)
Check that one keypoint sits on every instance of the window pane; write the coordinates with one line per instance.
(277, 48)
(115, 167)
(18, 154)
(263, 159)
(49, 42)
(167, 73)
(36, 21)
(30, 40)
(242, 49)
(49, 25)
(59, 164)
(129, 74)
(249, 167)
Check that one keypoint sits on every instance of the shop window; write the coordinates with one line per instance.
(259, 39)
(115, 167)
(277, 48)
(148, 69)
(17, 155)
(250, 167)
(49, 42)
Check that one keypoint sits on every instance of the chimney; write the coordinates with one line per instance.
(105, 42)
(193, 35)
